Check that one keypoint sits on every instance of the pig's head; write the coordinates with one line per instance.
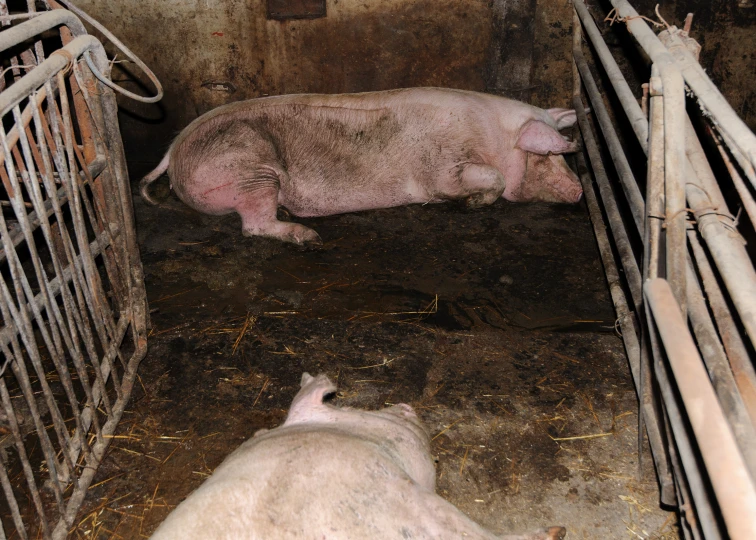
(542, 171)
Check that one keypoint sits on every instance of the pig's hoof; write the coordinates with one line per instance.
(552, 533)
(557, 533)
(309, 239)
(479, 200)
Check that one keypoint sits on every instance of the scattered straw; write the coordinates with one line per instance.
(249, 320)
(174, 450)
(590, 407)
(106, 480)
(564, 356)
(264, 386)
(578, 437)
(447, 428)
(177, 327)
(175, 295)
(381, 364)
(464, 460)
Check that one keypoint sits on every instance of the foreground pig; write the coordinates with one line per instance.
(318, 155)
(328, 473)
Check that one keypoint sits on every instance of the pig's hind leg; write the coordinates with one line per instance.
(258, 209)
(483, 184)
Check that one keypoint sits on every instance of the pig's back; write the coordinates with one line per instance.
(312, 485)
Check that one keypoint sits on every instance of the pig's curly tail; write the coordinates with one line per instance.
(144, 184)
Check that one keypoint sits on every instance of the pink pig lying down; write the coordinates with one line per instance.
(324, 154)
(329, 472)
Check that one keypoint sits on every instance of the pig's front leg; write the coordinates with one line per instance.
(483, 184)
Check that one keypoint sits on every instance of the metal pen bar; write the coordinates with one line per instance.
(621, 165)
(694, 503)
(627, 325)
(739, 359)
(724, 117)
(621, 240)
(633, 111)
(719, 371)
(726, 468)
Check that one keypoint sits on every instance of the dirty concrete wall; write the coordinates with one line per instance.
(210, 52)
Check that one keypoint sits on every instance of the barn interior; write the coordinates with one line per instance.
(496, 324)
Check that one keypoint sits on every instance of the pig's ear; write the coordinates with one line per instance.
(306, 377)
(540, 138)
(564, 118)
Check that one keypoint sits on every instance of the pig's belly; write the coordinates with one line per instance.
(309, 194)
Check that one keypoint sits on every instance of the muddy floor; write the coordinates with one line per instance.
(495, 324)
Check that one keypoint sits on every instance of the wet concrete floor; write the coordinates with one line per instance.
(495, 324)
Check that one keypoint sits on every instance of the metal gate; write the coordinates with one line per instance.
(689, 317)
(72, 294)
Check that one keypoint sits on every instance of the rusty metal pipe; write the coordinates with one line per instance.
(740, 186)
(654, 211)
(625, 173)
(739, 359)
(694, 502)
(627, 325)
(47, 69)
(721, 375)
(633, 111)
(674, 172)
(739, 137)
(629, 264)
(35, 26)
(726, 468)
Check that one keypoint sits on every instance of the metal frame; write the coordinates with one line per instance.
(72, 294)
(687, 351)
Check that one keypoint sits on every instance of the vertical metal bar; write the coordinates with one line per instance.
(740, 186)
(633, 111)
(18, 522)
(674, 177)
(629, 331)
(64, 171)
(25, 465)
